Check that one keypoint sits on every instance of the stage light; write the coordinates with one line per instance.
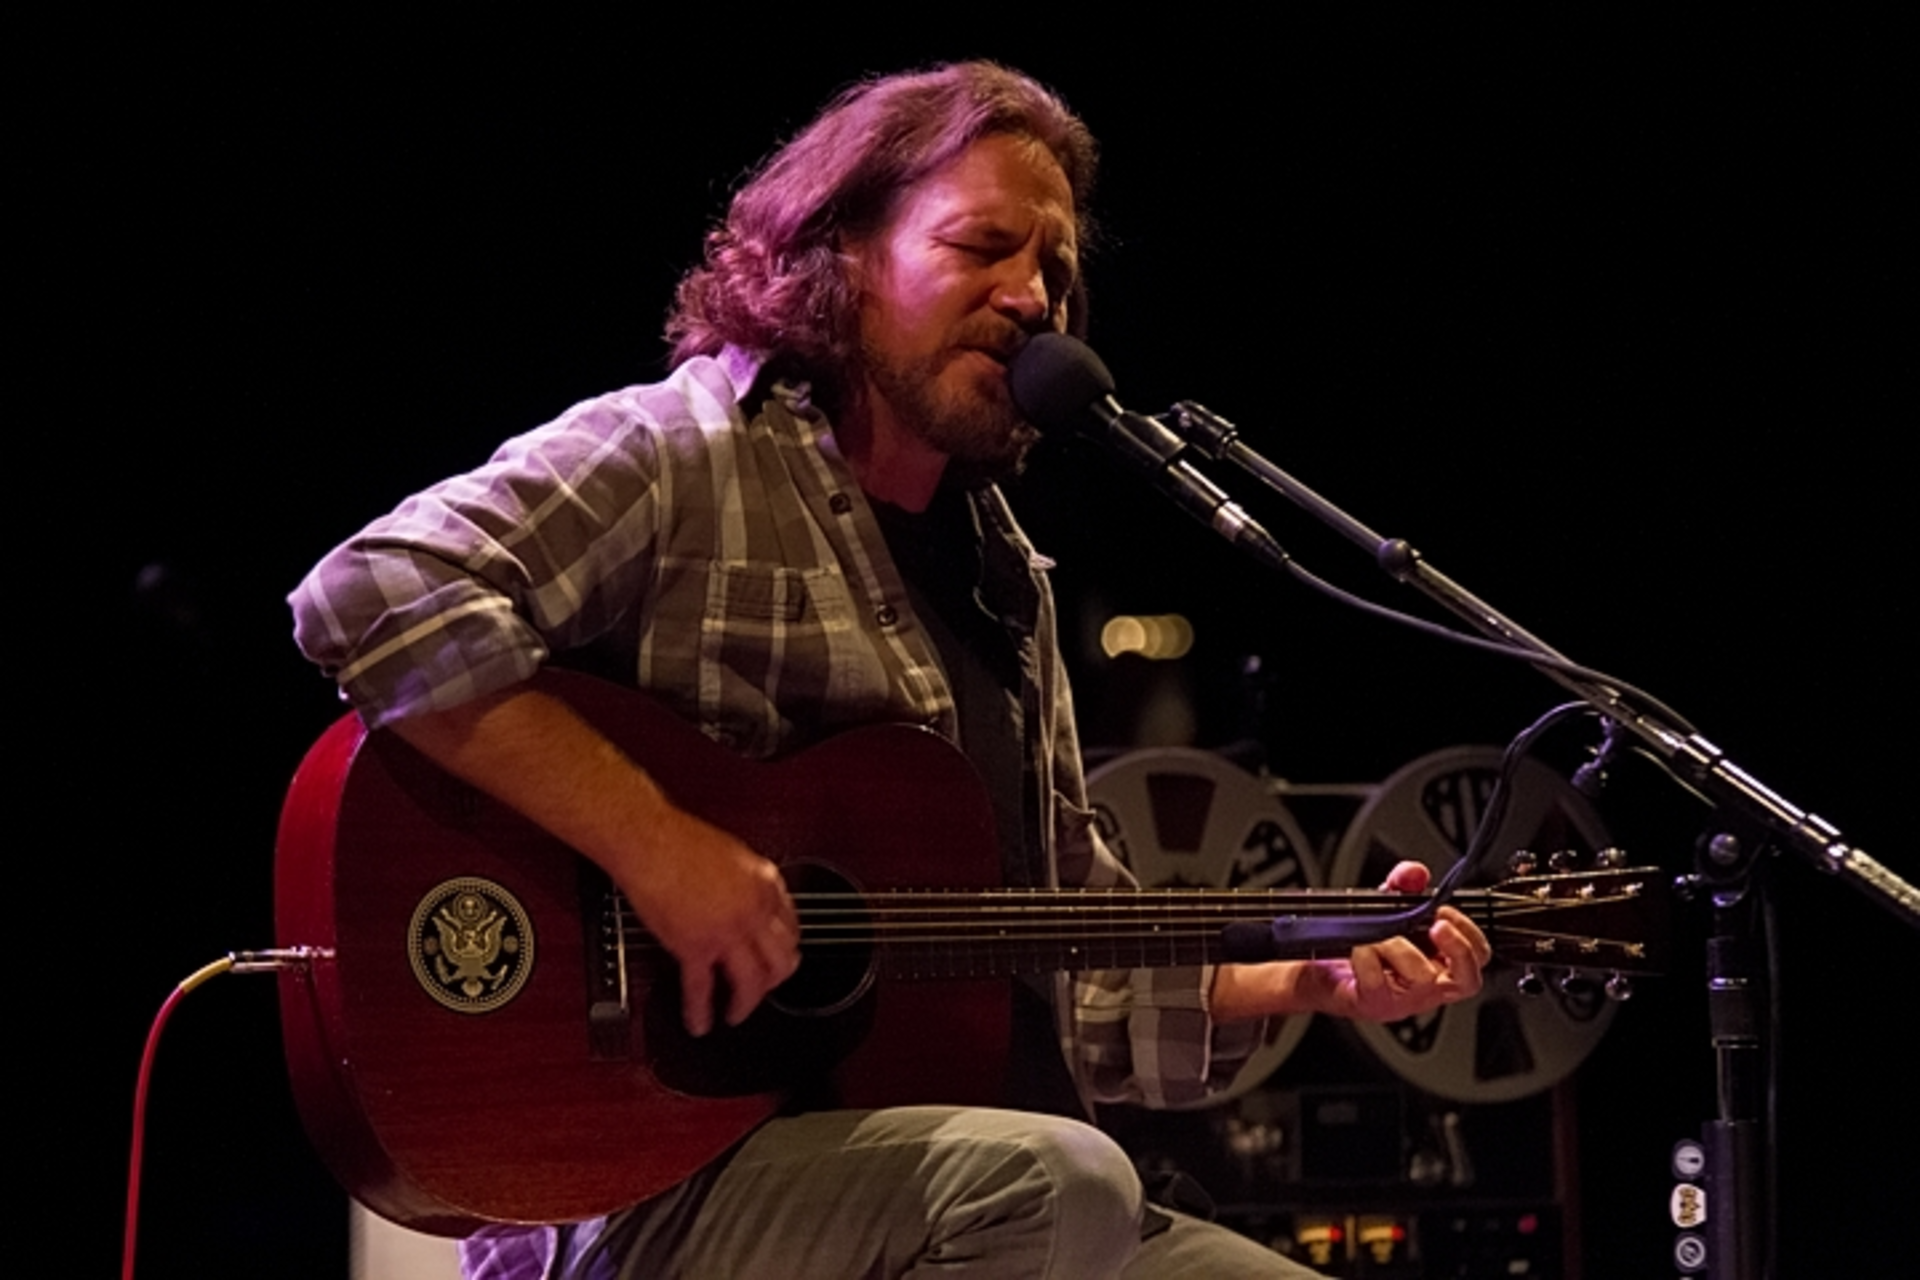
(1157, 637)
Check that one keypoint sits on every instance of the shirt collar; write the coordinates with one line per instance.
(742, 368)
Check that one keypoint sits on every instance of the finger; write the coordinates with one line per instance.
(1408, 877)
(784, 910)
(1476, 939)
(1462, 966)
(779, 952)
(696, 997)
(1405, 961)
(1369, 975)
(758, 965)
(748, 981)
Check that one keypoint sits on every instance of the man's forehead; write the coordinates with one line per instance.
(995, 175)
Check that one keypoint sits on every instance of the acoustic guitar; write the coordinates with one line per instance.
(484, 1032)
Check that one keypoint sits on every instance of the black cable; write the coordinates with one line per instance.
(1496, 811)
(1626, 692)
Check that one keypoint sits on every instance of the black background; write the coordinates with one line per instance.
(1609, 316)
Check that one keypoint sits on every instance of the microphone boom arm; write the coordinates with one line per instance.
(1692, 758)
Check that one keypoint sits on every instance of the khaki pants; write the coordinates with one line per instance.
(921, 1192)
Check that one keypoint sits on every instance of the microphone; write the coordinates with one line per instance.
(1060, 385)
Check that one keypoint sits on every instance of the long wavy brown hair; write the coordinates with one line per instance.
(774, 276)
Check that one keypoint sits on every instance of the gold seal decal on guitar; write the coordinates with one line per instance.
(471, 944)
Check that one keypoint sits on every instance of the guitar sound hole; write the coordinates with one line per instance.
(836, 945)
(802, 1030)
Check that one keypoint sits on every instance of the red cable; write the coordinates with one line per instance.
(140, 1103)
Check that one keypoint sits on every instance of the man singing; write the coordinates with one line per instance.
(797, 533)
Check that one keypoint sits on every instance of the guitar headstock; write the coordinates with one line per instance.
(1607, 919)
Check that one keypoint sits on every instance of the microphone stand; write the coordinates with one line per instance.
(1691, 757)
(1752, 817)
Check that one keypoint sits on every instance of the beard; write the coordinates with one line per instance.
(972, 421)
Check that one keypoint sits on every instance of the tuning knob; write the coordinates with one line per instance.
(1564, 860)
(1523, 862)
(1530, 983)
(1619, 988)
(1610, 858)
(1575, 985)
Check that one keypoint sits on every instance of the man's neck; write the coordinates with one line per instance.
(892, 464)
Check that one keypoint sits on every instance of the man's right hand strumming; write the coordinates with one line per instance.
(720, 909)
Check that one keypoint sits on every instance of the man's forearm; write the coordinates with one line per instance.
(713, 903)
(531, 751)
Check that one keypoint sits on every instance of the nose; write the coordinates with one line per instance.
(1021, 293)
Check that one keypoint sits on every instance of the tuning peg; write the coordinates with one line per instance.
(1724, 849)
(1575, 984)
(1523, 862)
(1609, 858)
(1530, 983)
(1564, 860)
(1619, 988)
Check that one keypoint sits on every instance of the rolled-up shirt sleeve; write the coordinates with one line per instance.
(467, 587)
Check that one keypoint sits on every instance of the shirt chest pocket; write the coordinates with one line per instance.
(769, 599)
(786, 651)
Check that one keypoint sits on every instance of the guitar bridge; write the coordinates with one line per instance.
(604, 918)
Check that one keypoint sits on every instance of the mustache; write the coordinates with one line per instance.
(1003, 341)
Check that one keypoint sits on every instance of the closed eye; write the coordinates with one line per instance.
(983, 253)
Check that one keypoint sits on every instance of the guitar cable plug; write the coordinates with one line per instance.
(274, 959)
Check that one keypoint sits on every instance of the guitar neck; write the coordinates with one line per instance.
(1008, 932)
(1573, 919)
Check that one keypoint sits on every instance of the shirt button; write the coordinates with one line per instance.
(840, 504)
(886, 615)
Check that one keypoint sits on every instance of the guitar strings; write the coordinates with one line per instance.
(1002, 908)
(1037, 918)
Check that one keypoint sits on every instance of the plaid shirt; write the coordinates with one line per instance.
(735, 564)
